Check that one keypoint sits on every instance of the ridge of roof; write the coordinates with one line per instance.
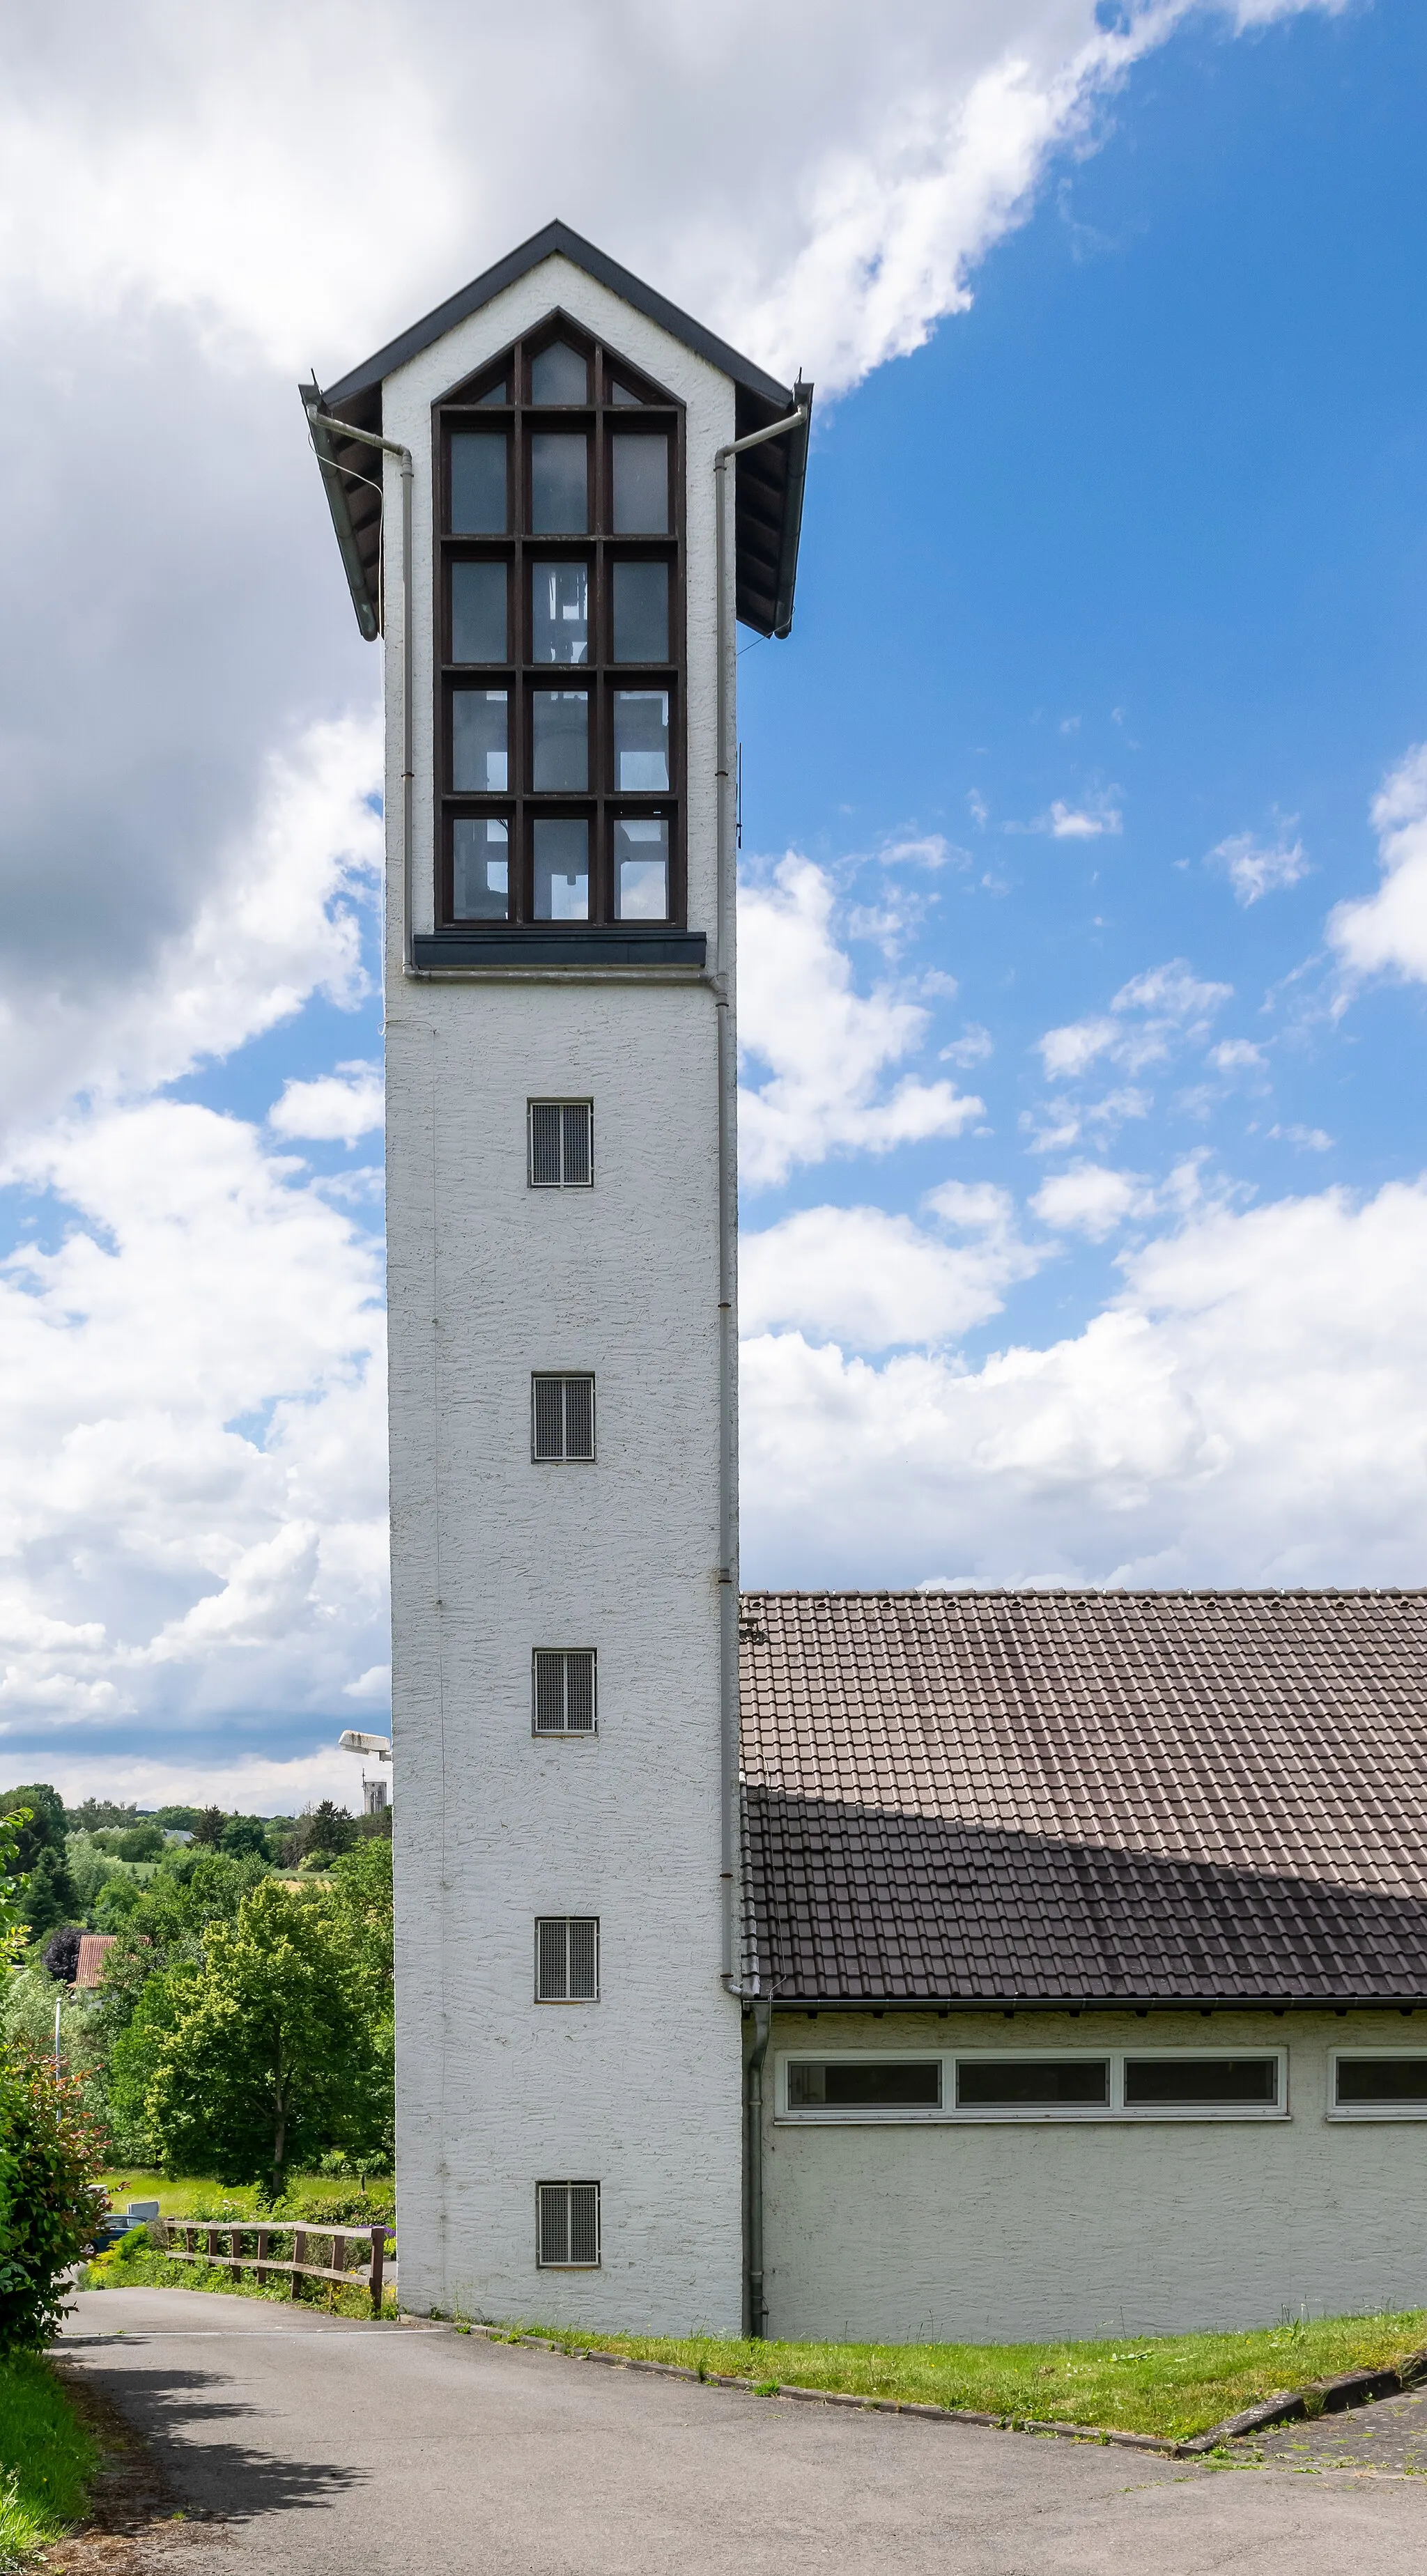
(560, 240)
(1098, 1592)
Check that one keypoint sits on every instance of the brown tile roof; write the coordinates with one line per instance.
(1081, 1796)
(93, 1949)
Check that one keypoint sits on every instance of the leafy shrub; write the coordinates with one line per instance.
(51, 2151)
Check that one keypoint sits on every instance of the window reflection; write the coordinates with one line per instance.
(560, 724)
(479, 741)
(562, 869)
(478, 483)
(480, 870)
(641, 486)
(641, 612)
(559, 612)
(641, 869)
(641, 741)
(478, 612)
(559, 375)
(559, 483)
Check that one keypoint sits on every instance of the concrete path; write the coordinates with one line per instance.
(331, 2449)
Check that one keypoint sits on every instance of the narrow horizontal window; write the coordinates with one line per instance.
(478, 612)
(479, 506)
(876, 2084)
(563, 1690)
(480, 868)
(559, 483)
(561, 1144)
(559, 612)
(559, 375)
(480, 741)
(567, 2226)
(561, 846)
(1382, 2083)
(1200, 2083)
(641, 869)
(567, 1959)
(641, 485)
(1030, 2083)
(562, 1417)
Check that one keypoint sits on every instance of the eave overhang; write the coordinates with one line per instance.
(769, 480)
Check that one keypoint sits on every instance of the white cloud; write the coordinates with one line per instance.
(972, 1047)
(1386, 933)
(1066, 1053)
(1256, 868)
(931, 850)
(1082, 822)
(1236, 1055)
(1091, 1199)
(828, 1048)
(248, 1784)
(1172, 1005)
(870, 1280)
(1248, 1410)
(335, 1109)
(1313, 1140)
(192, 1463)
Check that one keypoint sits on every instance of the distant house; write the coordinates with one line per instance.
(1086, 1940)
(94, 1948)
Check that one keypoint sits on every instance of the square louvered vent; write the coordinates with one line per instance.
(561, 1144)
(568, 2225)
(562, 1417)
(567, 1958)
(564, 1690)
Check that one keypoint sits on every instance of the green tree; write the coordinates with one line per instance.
(48, 1898)
(209, 1828)
(50, 2200)
(134, 2059)
(271, 2059)
(243, 1834)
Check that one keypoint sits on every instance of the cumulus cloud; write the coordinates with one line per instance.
(869, 1280)
(1236, 1055)
(1248, 1410)
(335, 1109)
(1091, 1199)
(1386, 933)
(1082, 822)
(828, 1049)
(1153, 1012)
(1256, 868)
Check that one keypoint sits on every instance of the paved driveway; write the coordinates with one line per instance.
(404, 2451)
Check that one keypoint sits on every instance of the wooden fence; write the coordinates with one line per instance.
(260, 2261)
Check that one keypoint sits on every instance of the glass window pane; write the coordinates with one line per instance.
(478, 612)
(1011, 2084)
(559, 375)
(1383, 2079)
(559, 612)
(1202, 2080)
(479, 739)
(641, 486)
(478, 484)
(559, 483)
(641, 741)
(641, 869)
(562, 869)
(641, 612)
(480, 872)
(622, 394)
(896, 2084)
(560, 723)
(497, 393)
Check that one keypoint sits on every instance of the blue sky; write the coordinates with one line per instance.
(1085, 832)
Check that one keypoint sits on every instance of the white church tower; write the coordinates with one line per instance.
(553, 496)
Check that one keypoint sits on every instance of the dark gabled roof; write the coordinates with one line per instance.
(769, 480)
(1080, 1797)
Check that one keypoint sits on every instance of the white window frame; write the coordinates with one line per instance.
(1116, 2112)
(1376, 2111)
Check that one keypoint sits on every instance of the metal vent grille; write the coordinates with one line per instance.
(564, 1690)
(567, 1958)
(561, 1144)
(562, 1417)
(568, 2225)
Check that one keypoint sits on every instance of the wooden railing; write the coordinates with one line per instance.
(261, 2262)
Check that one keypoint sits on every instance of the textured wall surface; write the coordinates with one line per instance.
(1025, 2231)
(493, 1556)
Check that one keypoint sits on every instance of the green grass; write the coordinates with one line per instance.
(47, 2459)
(1175, 2385)
(314, 2196)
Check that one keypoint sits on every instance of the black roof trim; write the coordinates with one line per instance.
(560, 240)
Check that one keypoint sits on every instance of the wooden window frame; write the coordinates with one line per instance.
(602, 802)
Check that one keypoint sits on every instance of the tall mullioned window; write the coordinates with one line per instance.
(560, 637)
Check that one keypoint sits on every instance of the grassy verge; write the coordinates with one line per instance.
(46, 2459)
(1168, 2384)
(145, 2268)
(310, 2196)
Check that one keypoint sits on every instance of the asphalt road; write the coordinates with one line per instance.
(323, 2446)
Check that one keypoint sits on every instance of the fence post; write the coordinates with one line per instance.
(213, 2245)
(378, 2260)
(299, 2256)
(261, 2266)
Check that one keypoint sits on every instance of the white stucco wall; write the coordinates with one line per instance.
(1026, 2230)
(492, 1556)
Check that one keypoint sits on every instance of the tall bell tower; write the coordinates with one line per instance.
(553, 496)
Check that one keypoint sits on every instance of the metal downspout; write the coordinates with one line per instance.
(390, 447)
(762, 2031)
(722, 980)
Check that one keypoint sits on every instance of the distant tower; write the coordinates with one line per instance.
(561, 1216)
